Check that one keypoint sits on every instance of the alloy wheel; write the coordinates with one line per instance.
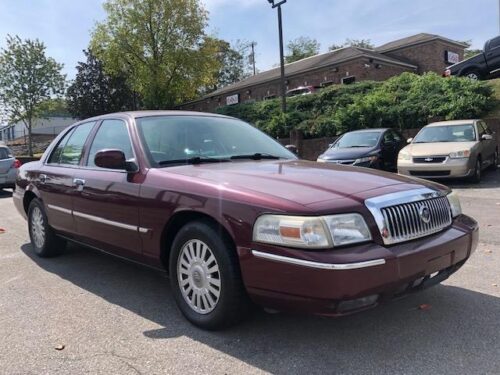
(37, 227)
(199, 276)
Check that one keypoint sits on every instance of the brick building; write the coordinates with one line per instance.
(418, 53)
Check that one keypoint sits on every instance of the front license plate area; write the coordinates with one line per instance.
(440, 263)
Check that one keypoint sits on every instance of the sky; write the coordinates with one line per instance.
(65, 25)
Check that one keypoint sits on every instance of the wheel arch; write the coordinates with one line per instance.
(177, 221)
(29, 195)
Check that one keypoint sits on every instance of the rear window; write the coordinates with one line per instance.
(5, 153)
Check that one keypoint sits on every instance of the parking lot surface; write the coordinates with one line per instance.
(112, 317)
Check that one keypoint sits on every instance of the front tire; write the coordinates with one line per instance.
(476, 177)
(44, 241)
(494, 165)
(205, 277)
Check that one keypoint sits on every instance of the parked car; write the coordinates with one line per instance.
(235, 217)
(372, 148)
(8, 168)
(480, 66)
(302, 90)
(456, 149)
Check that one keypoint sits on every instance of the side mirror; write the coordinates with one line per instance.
(409, 140)
(114, 159)
(486, 137)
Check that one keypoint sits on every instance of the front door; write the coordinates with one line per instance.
(105, 207)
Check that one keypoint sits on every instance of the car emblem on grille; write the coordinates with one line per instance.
(429, 159)
(425, 214)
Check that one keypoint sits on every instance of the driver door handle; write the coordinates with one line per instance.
(79, 183)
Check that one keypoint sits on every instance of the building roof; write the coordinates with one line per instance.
(415, 39)
(311, 63)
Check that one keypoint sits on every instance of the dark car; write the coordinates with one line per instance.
(480, 66)
(8, 168)
(234, 217)
(372, 148)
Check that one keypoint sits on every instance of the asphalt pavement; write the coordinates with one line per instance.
(89, 313)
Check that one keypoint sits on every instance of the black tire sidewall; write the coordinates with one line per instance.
(224, 313)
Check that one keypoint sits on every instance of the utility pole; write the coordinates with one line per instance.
(282, 53)
(253, 56)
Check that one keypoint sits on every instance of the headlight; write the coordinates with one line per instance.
(456, 208)
(321, 160)
(460, 154)
(404, 155)
(366, 159)
(311, 232)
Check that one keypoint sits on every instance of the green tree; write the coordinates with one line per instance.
(27, 79)
(231, 66)
(300, 48)
(161, 45)
(94, 92)
(361, 43)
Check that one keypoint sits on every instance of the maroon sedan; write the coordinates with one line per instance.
(234, 217)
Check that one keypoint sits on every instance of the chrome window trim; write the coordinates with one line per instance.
(317, 265)
(376, 204)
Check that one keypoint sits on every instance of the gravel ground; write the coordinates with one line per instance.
(113, 317)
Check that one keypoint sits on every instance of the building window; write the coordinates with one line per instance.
(348, 80)
(269, 97)
(326, 83)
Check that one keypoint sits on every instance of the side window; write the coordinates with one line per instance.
(70, 148)
(4, 153)
(486, 128)
(112, 134)
(73, 149)
(396, 136)
(481, 129)
(56, 153)
(495, 43)
(388, 137)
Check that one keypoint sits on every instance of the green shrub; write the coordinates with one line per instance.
(404, 102)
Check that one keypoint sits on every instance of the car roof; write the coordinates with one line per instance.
(151, 113)
(450, 123)
(380, 130)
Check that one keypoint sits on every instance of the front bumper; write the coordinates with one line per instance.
(450, 168)
(333, 282)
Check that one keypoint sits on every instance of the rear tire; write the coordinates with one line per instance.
(44, 241)
(473, 75)
(205, 277)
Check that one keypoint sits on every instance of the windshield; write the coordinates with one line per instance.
(359, 139)
(178, 139)
(448, 133)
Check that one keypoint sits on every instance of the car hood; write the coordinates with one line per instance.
(301, 182)
(346, 153)
(438, 148)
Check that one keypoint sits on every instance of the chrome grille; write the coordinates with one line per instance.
(408, 221)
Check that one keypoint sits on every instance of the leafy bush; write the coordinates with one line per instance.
(404, 102)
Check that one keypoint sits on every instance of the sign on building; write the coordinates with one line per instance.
(233, 99)
(452, 57)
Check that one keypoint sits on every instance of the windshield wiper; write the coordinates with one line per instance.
(193, 160)
(256, 156)
(358, 146)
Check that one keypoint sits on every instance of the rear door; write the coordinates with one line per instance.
(106, 201)
(55, 179)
